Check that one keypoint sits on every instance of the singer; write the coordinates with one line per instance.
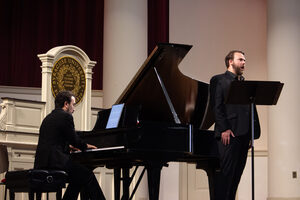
(232, 127)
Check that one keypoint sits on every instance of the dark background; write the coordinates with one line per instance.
(31, 27)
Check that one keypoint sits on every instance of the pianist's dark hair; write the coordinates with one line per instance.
(61, 97)
(230, 56)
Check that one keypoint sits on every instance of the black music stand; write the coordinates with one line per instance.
(254, 93)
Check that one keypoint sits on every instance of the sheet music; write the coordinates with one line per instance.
(115, 116)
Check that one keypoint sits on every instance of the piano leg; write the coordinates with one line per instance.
(153, 174)
(211, 170)
(126, 183)
(117, 179)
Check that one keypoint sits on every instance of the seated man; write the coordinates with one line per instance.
(57, 133)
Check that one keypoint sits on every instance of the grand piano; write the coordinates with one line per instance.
(165, 119)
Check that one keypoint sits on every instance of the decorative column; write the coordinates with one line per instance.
(46, 95)
(284, 120)
(65, 56)
(125, 45)
(88, 96)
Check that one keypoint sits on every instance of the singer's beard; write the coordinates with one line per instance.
(237, 69)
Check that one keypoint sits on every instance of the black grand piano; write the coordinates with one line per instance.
(165, 119)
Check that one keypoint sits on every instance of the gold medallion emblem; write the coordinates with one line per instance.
(68, 74)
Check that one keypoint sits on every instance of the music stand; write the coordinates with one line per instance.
(254, 93)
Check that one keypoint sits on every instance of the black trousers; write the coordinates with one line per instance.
(233, 159)
(82, 178)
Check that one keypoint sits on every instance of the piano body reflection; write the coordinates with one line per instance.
(165, 119)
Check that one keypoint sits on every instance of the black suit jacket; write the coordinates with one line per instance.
(56, 133)
(228, 116)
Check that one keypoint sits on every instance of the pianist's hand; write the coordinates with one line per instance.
(73, 149)
(225, 136)
(89, 146)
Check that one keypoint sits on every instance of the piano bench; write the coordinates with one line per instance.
(36, 181)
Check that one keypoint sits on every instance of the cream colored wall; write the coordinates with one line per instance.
(125, 45)
(284, 121)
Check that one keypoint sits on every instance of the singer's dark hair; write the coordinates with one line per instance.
(62, 97)
(230, 56)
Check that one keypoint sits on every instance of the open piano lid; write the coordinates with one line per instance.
(189, 97)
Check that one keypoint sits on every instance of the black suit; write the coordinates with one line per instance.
(56, 134)
(233, 157)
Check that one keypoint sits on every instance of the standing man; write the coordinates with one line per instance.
(57, 133)
(232, 127)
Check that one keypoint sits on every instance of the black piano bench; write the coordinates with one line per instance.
(36, 181)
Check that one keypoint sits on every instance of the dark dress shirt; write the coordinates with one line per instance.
(229, 116)
(56, 133)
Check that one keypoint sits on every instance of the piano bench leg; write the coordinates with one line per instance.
(38, 181)
(37, 194)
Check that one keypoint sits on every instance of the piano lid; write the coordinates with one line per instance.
(189, 97)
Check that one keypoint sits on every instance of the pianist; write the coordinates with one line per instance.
(56, 134)
(232, 127)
